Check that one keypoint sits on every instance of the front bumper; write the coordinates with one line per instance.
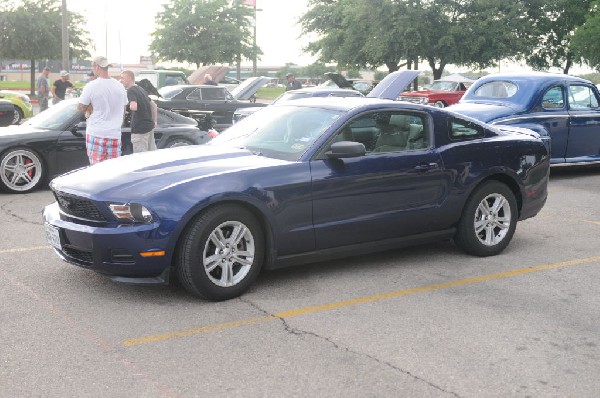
(112, 251)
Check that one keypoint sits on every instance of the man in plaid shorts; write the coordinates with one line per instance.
(104, 99)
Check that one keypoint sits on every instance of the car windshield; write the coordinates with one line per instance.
(169, 92)
(444, 86)
(280, 132)
(55, 117)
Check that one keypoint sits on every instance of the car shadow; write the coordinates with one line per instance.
(569, 172)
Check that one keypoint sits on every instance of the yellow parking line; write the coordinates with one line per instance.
(24, 249)
(355, 301)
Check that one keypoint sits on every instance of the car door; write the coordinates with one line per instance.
(584, 124)
(221, 103)
(394, 190)
(70, 148)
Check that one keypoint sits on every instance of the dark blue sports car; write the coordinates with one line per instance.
(302, 181)
(564, 107)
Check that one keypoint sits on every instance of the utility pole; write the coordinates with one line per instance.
(65, 37)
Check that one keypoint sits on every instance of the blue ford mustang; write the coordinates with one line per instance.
(303, 181)
(564, 107)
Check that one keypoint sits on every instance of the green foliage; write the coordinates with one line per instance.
(204, 32)
(553, 32)
(361, 33)
(33, 29)
(586, 43)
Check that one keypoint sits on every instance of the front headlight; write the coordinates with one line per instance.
(131, 212)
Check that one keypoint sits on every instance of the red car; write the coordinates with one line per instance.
(440, 94)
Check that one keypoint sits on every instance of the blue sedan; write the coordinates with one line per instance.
(564, 107)
(303, 181)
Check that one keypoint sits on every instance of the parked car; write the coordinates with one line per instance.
(53, 142)
(22, 104)
(291, 95)
(564, 107)
(440, 93)
(338, 80)
(212, 98)
(161, 78)
(7, 111)
(300, 181)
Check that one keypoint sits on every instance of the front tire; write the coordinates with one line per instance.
(488, 221)
(177, 142)
(221, 253)
(439, 104)
(21, 170)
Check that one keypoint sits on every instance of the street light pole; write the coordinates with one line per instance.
(254, 45)
(65, 37)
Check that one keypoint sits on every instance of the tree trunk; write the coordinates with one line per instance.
(392, 66)
(568, 65)
(32, 78)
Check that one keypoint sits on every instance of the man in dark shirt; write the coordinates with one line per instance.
(60, 87)
(143, 114)
(292, 83)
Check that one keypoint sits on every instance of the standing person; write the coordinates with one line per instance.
(143, 114)
(43, 89)
(60, 87)
(108, 99)
(292, 83)
(209, 80)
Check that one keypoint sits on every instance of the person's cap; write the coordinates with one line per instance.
(100, 61)
(64, 73)
(46, 68)
(289, 75)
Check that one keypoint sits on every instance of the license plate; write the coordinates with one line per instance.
(53, 236)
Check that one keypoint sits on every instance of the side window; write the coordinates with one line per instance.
(213, 94)
(496, 89)
(194, 95)
(554, 99)
(582, 97)
(387, 132)
(462, 130)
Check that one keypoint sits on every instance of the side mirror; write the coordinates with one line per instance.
(346, 149)
(79, 129)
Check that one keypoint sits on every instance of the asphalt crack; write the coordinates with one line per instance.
(5, 210)
(300, 332)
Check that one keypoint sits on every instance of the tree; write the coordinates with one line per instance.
(32, 31)
(585, 43)
(204, 32)
(555, 24)
(371, 33)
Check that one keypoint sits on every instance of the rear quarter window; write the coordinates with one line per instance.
(462, 130)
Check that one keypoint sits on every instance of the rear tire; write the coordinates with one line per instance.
(221, 253)
(18, 115)
(175, 142)
(488, 221)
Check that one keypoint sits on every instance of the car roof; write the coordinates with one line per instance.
(316, 91)
(531, 76)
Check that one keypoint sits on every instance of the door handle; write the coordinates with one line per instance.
(426, 166)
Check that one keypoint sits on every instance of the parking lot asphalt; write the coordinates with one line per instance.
(427, 321)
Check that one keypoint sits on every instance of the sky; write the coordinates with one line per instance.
(124, 27)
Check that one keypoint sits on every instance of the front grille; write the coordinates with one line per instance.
(79, 255)
(78, 207)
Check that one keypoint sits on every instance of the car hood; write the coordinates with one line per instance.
(338, 79)
(486, 112)
(144, 174)
(8, 133)
(249, 87)
(393, 84)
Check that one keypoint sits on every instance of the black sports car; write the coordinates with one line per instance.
(53, 142)
(211, 98)
(7, 111)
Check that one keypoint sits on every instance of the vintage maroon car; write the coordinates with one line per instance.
(441, 93)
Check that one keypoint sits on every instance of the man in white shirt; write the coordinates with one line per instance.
(104, 99)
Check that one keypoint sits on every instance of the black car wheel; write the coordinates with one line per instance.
(18, 115)
(175, 142)
(221, 253)
(488, 221)
(21, 170)
(439, 104)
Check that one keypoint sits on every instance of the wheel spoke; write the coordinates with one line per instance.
(217, 238)
(210, 263)
(237, 234)
(490, 236)
(227, 273)
(479, 226)
(497, 205)
(10, 168)
(242, 260)
(484, 208)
